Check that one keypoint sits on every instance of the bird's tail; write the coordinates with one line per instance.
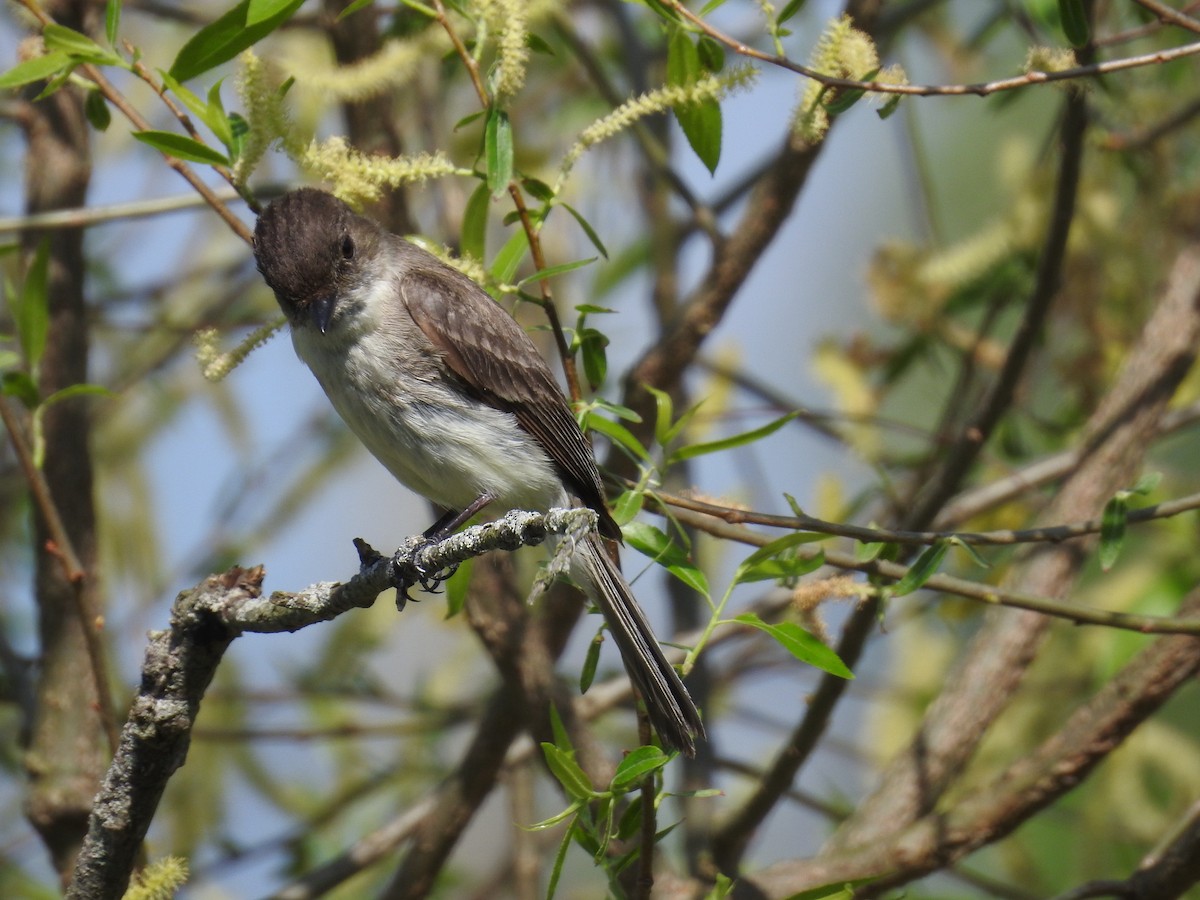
(670, 707)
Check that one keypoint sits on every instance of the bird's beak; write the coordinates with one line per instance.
(322, 312)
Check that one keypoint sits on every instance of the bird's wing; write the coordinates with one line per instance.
(497, 362)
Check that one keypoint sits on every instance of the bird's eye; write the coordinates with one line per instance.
(347, 247)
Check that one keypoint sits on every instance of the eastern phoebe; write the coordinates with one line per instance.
(450, 394)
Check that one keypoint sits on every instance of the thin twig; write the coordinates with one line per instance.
(981, 89)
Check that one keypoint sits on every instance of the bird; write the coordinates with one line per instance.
(449, 393)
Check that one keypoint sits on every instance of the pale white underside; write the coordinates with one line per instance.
(379, 371)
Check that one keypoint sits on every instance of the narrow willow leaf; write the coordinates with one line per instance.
(781, 569)
(1074, 22)
(551, 271)
(538, 189)
(95, 107)
(555, 819)
(590, 663)
(637, 764)
(971, 552)
(664, 412)
(564, 768)
(1112, 530)
(498, 151)
(36, 70)
(560, 858)
(457, 588)
(181, 147)
(772, 550)
(77, 46)
(21, 386)
(789, 10)
(587, 229)
(628, 505)
(922, 570)
(700, 121)
(474, 227)
(657, 545)
(32, 315)
(353, 8)
(802, 645)
(262, 10)
(737, 440)
(508, 260)
(618, 434)
(77, 390)
(1146, 483)
(889, 106)
(593, 347)
(112, 20)
(226, 37)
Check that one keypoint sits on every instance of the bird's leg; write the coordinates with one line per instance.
(451, 520)
(446, 525)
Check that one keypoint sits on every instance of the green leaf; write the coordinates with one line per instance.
(77, 390)
(592, 346)
(551, 271)
(788, 11)
(21, 386)
(1112, 530)
(474, 227)
(587, 229)
(560, 858)
(262, 10)
(555, 819)
(457, 588)
(36, 70)
(1146, 484)
(655, 543)
(564, 768)
(1074, 22)
(77, 46)
(508, 260)
(215, 118)
(617, 433)
(800, 644)
(223, 39)
(181, 147)
(777, 546)
(498, 151)
(628, 505)
(889, 106)
(353, 8)
(95, 107)
(590, 663)
(538, 189)
(664, 412)
(737, 440)
(712, 54)
(922, 570)
(32, 314)
(562, 740)
(112, 20)
(700, 121)
(637, 764)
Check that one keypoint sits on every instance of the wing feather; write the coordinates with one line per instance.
(497, 363)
